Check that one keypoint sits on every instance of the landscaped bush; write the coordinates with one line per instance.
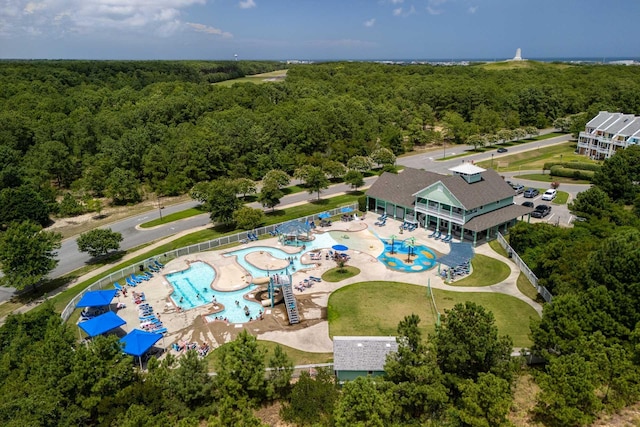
(572, 165)
(572, 173)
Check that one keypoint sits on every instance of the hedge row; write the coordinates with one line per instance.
(572, 173)
(573, 165)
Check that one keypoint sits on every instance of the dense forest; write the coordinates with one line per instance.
(123, 129)
(117, 129)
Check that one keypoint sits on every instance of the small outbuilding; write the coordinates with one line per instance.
(355, 357)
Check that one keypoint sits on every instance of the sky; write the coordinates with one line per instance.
(318, 29)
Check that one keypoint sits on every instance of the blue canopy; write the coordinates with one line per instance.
(137, 342)
(97, 298)
(339, 248)
(324, 215)
(101, 324)
(346, 209)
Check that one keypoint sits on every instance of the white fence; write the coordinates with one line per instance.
(524, 268)
(107, 282)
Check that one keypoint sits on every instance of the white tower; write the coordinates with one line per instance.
(518, 56)
(236, 56)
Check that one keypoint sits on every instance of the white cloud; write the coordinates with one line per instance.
(201, 28)
(433, 6)
(56, 17)
(402, 12)
(396, 1)
(370, 23)
(247, 4)
(397, 12)
(473, 9)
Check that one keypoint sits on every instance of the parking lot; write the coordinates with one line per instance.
(559, 215)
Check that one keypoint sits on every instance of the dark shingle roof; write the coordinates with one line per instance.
(398, 189)
(362, 353)
(497, 217)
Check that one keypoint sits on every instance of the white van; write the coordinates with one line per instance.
(549, 194)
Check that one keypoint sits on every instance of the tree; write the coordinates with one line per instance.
(241, 368)
(484, 403)
(270, 195)
(361, 164)
(568, 393)
(99, 241)
(245, 186)
(27, 254)
(333, 168)
(190, 382)
(122, 187)
(221, 200)
(476, 140)
(312, 399)
(314, 178)
(418, 388)
(618, 174)
(279, 381)
(354, 178)
(505, 135)
(383, 156)
(591, 202)
(456, 128)
(467, 343)
(22, 203)
(248, 218)
(69, 206)
(364, 402)
(277, 177)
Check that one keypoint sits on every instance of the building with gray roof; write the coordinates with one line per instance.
(472, 204)
(608, 132)
(360, 356)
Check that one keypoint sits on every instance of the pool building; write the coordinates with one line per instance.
(358, 356)
(472, 204)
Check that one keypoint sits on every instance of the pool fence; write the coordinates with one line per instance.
(524, 268)
(108, 281)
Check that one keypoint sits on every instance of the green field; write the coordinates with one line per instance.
(376, 308)
(273, 76)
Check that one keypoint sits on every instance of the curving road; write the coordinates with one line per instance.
(70, 259)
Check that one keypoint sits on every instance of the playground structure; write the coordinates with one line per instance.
(294, 233)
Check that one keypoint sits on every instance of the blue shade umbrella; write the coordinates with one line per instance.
(340, 248)
(97, 298)
(324, 215)
(137, 342)
(346, 209)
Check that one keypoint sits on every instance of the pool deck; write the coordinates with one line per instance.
(312, 334)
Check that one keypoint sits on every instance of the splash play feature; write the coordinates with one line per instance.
(407, 256)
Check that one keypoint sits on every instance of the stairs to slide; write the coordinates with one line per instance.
(291, 304)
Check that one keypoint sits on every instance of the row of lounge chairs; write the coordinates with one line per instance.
(408, 226)
(181, 346)
(149, 321)
(438, 235)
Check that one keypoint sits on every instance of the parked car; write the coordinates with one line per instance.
(502, 150)
(541, 211)
(527, 204)
(549, 195)
(530, 193)
(519, 188)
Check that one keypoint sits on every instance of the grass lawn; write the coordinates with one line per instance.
(535, 159)
(338, 274)
(376, 308)
(298, 357)
(497, 248)
(545, 177)
(255, 79)
(561, 198)
(525, 286)
(487, 271)
(188, 213)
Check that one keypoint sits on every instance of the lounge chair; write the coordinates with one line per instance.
(448, 238)
(315, 279)
(158, 263)
(437, 234)
(153, 268)
(118, 287)
(140, 278)
(129, 281)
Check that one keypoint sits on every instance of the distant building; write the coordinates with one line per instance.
(355, 357)
(608, 132)
(473, 204)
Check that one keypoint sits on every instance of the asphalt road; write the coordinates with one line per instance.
(71, 259)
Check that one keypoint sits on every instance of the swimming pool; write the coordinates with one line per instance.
(192, 288)
(422, 258)
(323, 240)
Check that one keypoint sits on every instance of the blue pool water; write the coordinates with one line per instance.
(196, 280)
(321, 241)
(423, 260)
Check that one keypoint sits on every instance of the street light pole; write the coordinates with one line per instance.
(491, 160)
(159, 207)
(443, 149)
